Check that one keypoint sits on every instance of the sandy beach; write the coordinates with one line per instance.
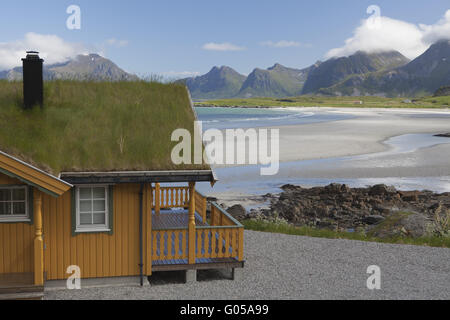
(392, 146)
(363, 134)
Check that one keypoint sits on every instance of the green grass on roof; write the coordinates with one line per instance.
(96, 126)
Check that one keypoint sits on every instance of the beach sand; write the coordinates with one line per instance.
(356, 151)
(363, 134)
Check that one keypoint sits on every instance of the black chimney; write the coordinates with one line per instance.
(33, 82)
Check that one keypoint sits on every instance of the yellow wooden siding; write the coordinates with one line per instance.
(97, 254)
(16, 241)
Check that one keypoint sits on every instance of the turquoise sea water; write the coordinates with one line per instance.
(231, 118)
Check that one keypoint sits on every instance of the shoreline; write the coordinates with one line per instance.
(356, 150)
(365, 133)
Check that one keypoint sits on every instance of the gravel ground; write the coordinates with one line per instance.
(294, 267)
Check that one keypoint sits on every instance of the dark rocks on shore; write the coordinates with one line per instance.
(444, 135)
(342, 208)
(237, 211)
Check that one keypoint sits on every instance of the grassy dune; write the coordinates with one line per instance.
(89, 126)
(348, 102)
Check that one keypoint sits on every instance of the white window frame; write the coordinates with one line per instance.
(92, 227)
(17, 217)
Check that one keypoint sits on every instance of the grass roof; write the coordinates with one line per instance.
(96, 126)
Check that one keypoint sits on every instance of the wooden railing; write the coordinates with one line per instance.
(170, 197)
(223, 238)
(200, 205)
(218, 242)
(169, 244)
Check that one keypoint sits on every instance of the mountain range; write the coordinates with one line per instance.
(83, 67)
(386, 73)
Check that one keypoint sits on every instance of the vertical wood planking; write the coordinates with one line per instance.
(16, 241)
(97, 254)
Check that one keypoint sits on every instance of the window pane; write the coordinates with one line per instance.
(85, 218)
(18, 194)
(19, 208)
(99, 205)
(99, 193)
(5, 208)
(5, 194)
(85, 205)
(85, 193)
(99, 218)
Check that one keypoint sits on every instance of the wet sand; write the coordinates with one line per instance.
(358, 151)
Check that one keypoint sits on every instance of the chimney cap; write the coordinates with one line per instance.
(32, 55)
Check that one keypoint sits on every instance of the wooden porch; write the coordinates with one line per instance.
(193, 238)
(19, 286)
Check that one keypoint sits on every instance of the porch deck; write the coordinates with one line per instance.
(19, 286)
(217, 238)
(174, 219)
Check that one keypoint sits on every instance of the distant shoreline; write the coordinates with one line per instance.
(201, 105)
(364, 102)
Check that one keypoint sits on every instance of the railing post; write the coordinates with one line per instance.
(191, 253)
(38, 242)
(157, 198)
(241, 245)
(204, 204)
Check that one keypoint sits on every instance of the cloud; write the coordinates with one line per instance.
(284, 44)
(180, 74)
(438, 31)
(225, 46)
(117, 43)
(51, 48)
(390, 34)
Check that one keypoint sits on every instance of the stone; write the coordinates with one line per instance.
(373, 219)
(191, 276)
(381, 189)
(416, 225)
(237, 211)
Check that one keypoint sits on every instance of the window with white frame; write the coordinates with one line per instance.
(14, 204)
(92, 208)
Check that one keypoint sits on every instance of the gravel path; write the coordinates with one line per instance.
(293, 267)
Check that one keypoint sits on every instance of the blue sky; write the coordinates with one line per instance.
(170, 37)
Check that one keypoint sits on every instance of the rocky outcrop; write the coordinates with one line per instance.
(339, 207)
(237, 211)
(444, 135)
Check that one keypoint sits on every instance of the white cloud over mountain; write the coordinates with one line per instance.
(51, 48)
(390, 34)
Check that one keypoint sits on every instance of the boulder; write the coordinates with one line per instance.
(373, 219)
(237, 211)
(416, 225)
(381, 189)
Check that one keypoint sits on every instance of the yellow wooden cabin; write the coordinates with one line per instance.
(120, 209)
